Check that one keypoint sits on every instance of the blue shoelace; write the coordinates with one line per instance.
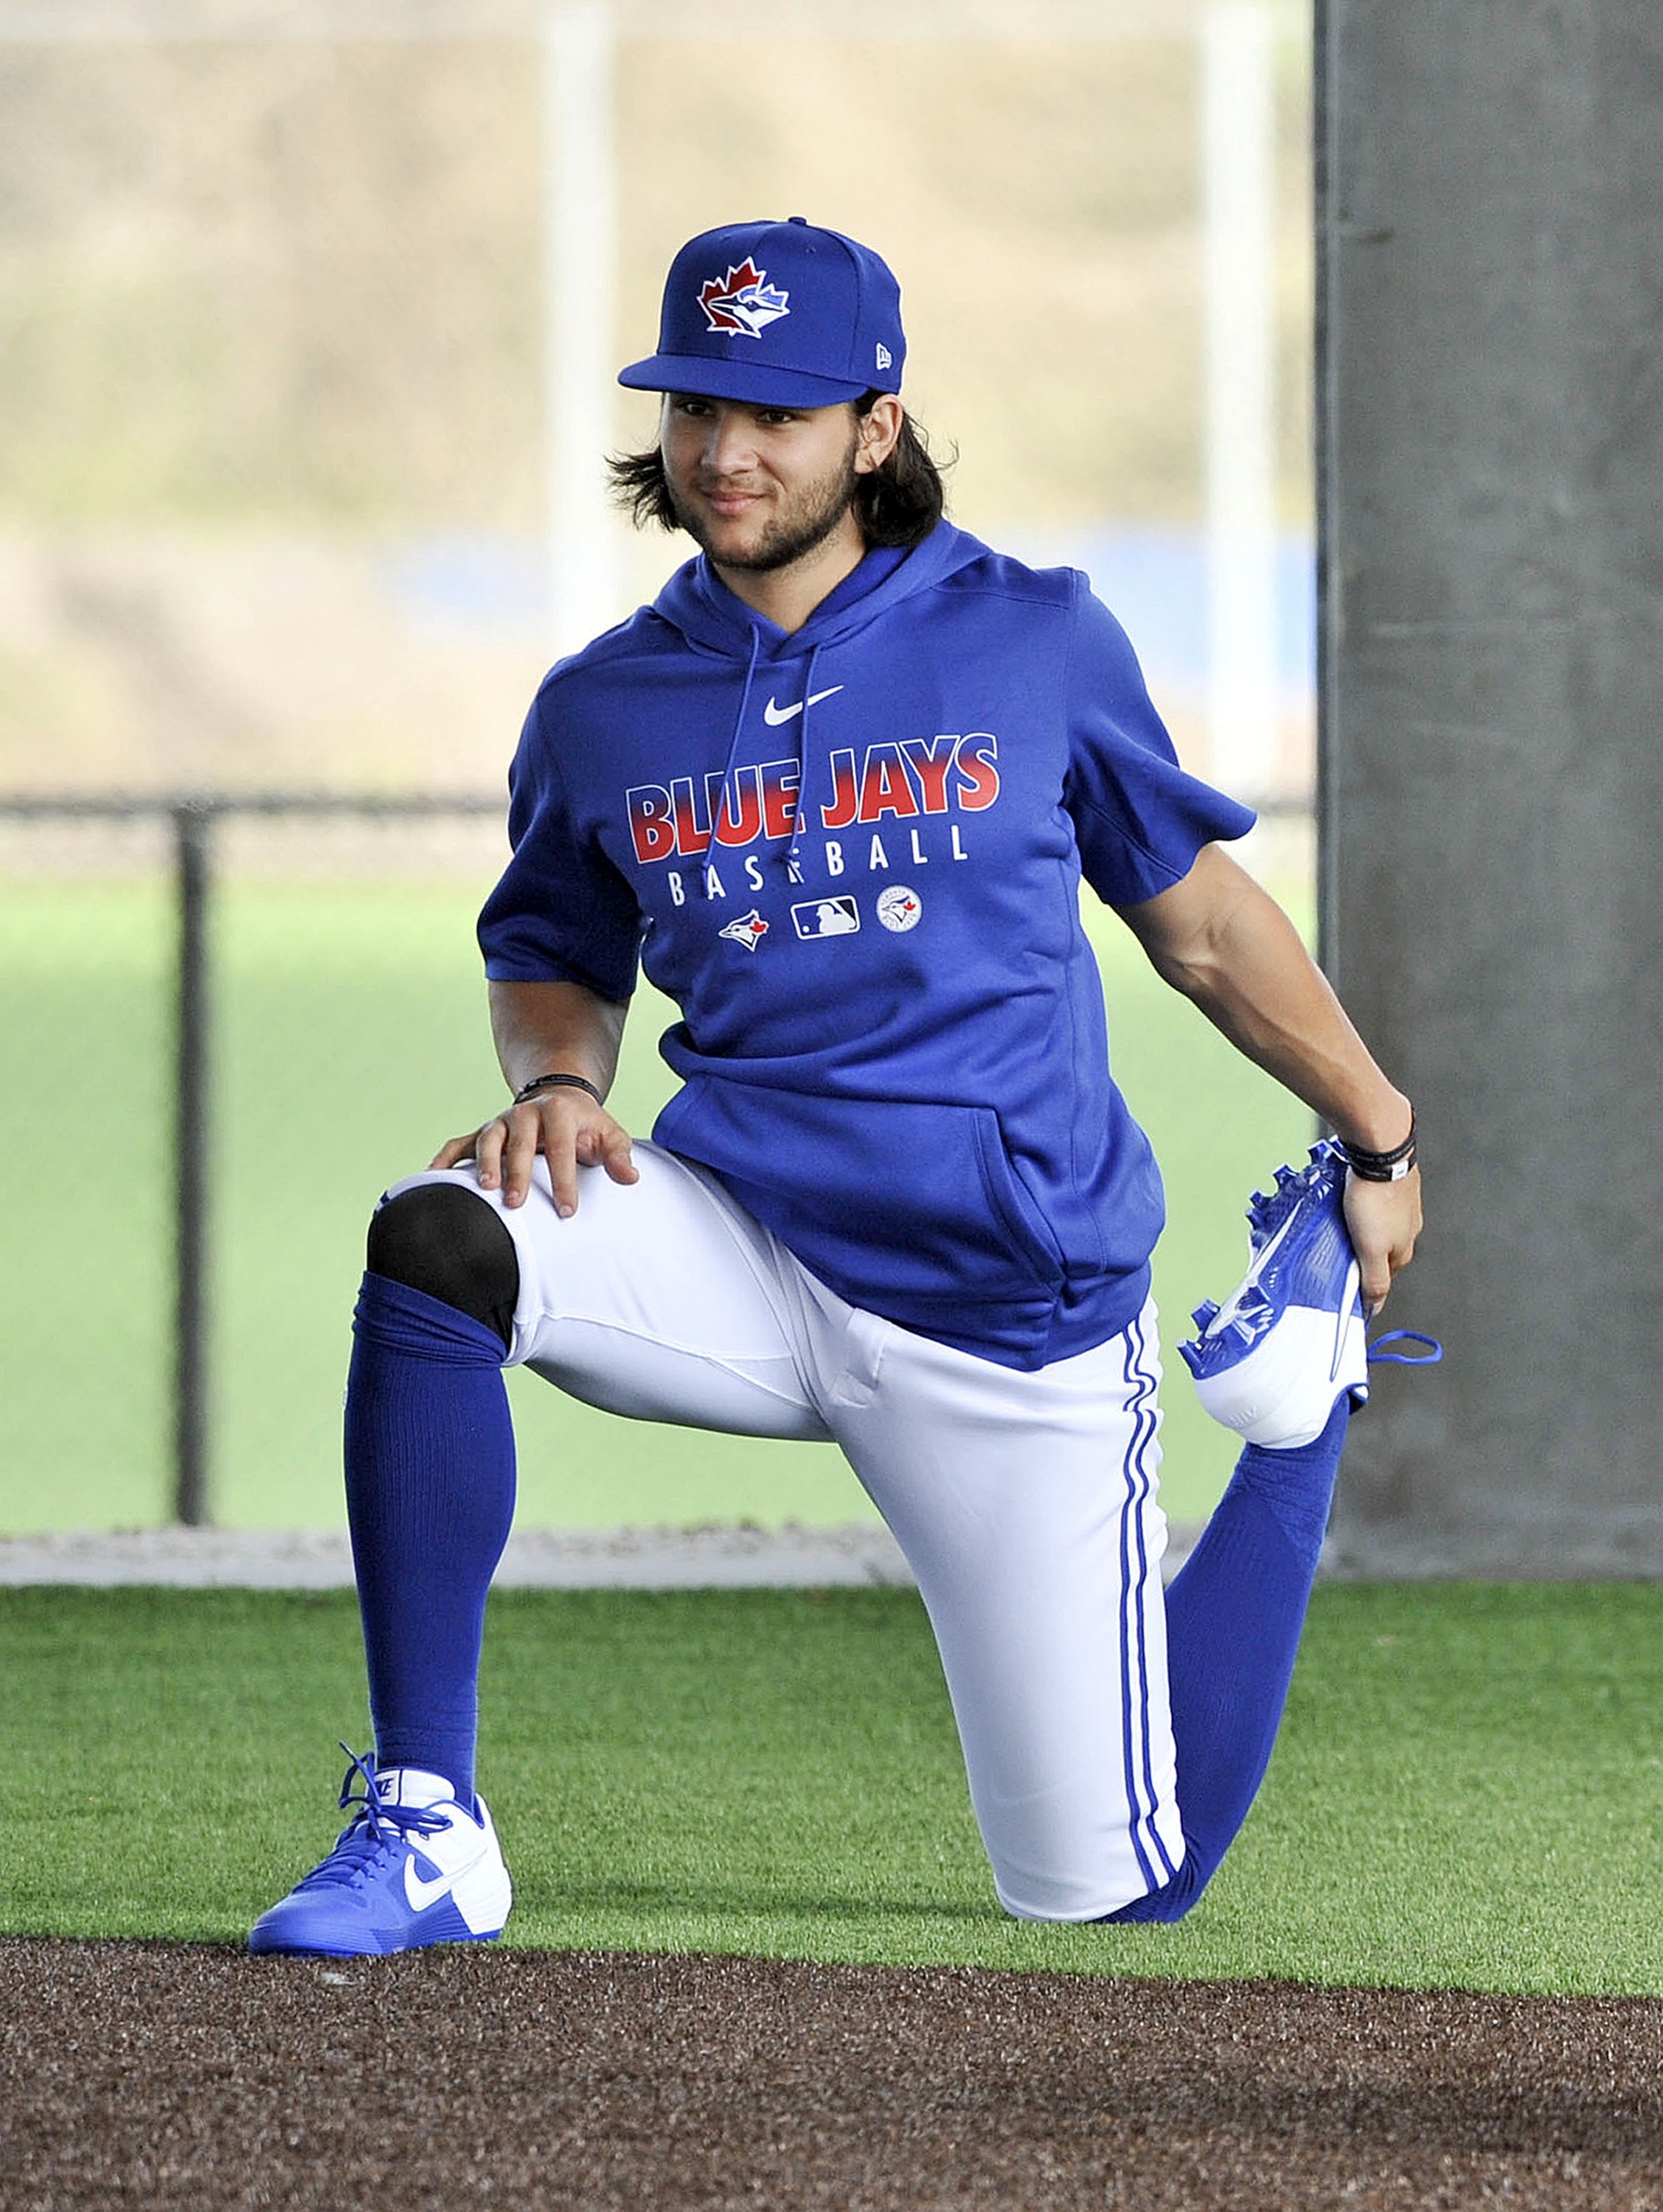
(375, 1830)
(1430, 1358)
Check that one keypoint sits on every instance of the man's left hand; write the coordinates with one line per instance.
(1385, 1220)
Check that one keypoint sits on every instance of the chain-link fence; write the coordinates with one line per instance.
(308, 323)
(183, 994)
(231, 1022)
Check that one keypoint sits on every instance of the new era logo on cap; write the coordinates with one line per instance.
(743, 302)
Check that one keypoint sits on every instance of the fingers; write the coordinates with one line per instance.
(487, 1147)
(570, 1132)
(1375, 1264)
(569, 1129)
(614, 1155)
(1385, 1221)
(530, 1129)
(600, 1142)
(488, 1153)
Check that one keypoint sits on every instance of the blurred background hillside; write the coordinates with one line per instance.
(309, 316)
(276, 321)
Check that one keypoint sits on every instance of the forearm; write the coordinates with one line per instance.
(1220, 940)
(541, 1029)
(1268, 996)
(1227, 945)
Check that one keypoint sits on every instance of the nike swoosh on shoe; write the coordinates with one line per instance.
(1262, 1259)
(422, 1893)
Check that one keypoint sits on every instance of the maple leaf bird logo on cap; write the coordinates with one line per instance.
(743, 302)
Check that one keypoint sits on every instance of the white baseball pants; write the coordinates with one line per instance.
(1025, 1503)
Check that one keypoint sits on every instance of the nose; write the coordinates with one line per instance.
(729, 449)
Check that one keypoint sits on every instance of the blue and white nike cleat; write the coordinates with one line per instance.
(413, 1866)
(1272, 1362)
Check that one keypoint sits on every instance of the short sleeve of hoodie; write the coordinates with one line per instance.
(561, 913)
(1139, 819)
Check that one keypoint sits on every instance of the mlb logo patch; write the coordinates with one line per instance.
(743, 302)
(826, 917)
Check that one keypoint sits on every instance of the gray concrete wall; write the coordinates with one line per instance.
(1490, 396)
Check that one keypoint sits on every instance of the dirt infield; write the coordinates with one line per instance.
(150, 2076)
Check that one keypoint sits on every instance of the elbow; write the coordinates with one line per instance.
(1190, 973)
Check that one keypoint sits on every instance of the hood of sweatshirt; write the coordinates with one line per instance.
(714, 620)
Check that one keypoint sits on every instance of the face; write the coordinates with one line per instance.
(760, 487)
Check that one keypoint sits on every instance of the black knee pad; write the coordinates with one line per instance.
(449, 1243)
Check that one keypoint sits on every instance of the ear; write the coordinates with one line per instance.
(876, 434)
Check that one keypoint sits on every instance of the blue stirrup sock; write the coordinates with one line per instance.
(429, 1497)
(1233, 1617)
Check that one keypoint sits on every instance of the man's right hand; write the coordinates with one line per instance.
(566, 1126)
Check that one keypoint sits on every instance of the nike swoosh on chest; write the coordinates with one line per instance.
(774, 715)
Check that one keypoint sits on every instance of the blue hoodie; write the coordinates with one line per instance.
(852, 857)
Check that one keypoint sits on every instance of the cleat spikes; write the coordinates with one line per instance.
(1289, 1339)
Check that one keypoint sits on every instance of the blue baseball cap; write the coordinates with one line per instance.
(782, 314)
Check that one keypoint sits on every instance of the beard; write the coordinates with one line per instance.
(806, 519)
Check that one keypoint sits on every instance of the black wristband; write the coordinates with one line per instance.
(557, 1083)
(1383, 1167)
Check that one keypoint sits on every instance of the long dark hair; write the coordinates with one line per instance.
(898, 503)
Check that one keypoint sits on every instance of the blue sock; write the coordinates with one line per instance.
(1233, 1617)
(430, 1496)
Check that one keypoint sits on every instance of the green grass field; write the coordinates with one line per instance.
(351, 1040)
(1466, 1793)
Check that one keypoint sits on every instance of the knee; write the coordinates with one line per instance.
(1170, 1903)
(444, 1240)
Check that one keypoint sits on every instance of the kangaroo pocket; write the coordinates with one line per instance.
(907, 1209)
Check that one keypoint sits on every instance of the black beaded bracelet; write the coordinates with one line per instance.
(557, 1083)
(1383, 1167)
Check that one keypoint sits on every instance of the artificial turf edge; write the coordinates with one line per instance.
(1465, 1794)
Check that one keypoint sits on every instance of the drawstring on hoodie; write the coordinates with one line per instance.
(733, 745)
(711, 619)
(802, 808)
(745, 690)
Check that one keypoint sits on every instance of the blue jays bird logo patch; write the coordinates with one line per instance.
(748, 930)
(900, 907)
(743, 302)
